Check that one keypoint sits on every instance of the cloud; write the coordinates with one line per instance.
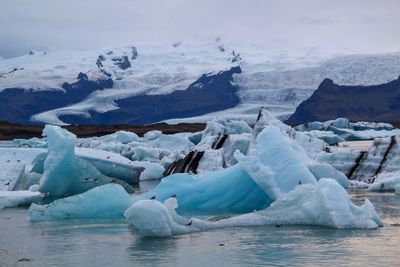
(77, 24)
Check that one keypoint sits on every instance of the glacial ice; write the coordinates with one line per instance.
(276, 166)
(386, 181)
(18, 198)
(224, 191)
(63, 173)
(106, 201)
(324, 203)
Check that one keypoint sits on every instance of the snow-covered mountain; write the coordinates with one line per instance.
(100, 86)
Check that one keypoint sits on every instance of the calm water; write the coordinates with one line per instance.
(113, 243)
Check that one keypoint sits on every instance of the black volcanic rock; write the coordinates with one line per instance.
(209, 93)
(122, 62)
(357, 103)
(18, 105)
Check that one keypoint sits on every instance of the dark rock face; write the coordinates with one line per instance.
(358, 103)
(211, 92)
(18, 105)
(122, 62)
(208, 94)
(134, 53)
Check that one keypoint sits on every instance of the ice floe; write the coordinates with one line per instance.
(324, 203)
(107, 202)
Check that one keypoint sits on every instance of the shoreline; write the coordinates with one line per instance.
(10, 131)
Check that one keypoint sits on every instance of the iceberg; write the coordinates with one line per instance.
(104, 202)
(386, 181)
(279, 164)
(276, 165)
(324, 203)
(18, 198)
(225, 191)
(63, 173)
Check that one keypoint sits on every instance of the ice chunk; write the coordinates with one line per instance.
(279, 164)
(152, 218)
(325, 203)
(107, 201)
(59, 164)
(18, 198)
(235, 142)
(386, 181)
(327, 136)
(152, 135)
(211, 161)
(13, 163)
(110, 164)
(228, 190)
(151, 170)
(32, 142)
(123, 137)
(64, 174)
(397, 189)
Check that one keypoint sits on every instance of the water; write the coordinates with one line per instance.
(113, 243)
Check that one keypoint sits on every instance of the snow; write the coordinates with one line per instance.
(325, 203)
(277, 78)
(105, 202)
(18, 198)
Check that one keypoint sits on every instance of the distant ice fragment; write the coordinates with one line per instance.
(106, 201)
(18, 198)
(386, 181)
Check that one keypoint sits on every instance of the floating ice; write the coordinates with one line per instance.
(107, 201)
(325, 203)
(279, 164)
(123, 137)
(227, 190)
(386, 181)
(18, 198)
(63, 173)
(151, 170)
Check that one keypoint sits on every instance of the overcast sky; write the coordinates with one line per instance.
(364, 25)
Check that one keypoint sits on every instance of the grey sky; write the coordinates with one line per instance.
(364, 25)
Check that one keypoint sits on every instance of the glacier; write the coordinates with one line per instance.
(277, 78)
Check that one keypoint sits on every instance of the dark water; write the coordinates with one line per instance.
(113, 243)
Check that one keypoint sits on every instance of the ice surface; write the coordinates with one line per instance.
(227, 190)
(279, 164)
(324, 203)
(107, 201)
(18, 198)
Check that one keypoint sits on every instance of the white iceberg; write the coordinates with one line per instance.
(106, 202)
(18, 198)
(325, 203)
